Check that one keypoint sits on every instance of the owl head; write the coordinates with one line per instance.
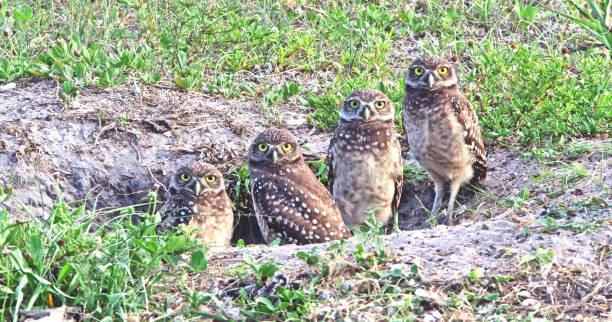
(366, 105)
(431, 73)
(274, 147)
(196, 179)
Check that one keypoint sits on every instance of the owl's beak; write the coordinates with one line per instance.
(274, 156)
(430, 80)
(197, 188)
(365, 113)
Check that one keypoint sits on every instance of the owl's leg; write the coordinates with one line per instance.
(439, 188)
(455, 185)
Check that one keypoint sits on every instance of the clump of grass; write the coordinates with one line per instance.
(563, 215)
(593, 17)
(535, 98)
(107, 271)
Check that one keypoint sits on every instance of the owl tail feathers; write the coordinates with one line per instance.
(480, 171)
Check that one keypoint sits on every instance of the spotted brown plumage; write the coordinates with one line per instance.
(197, 198)
(442, 128)
(364, 159)
(290, 203)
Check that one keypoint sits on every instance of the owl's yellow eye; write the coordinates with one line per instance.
(286, 146)
(263, 147)
(185, 177)
(210, 179)
(442, 70)
(379, 104)
(418, 71)
(354, 103)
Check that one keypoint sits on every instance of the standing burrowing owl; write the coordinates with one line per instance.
(197, 198)
(290, 203)
(365, 162)
(442, 128)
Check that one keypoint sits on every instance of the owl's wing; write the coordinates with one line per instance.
(465, 114)
(399, 182)
(276, 213)
(173, 213)
(330, 163)
(298, 215)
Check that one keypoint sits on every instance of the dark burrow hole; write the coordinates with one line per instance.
(417, 198)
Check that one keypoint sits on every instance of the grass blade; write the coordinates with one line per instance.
(22, 283)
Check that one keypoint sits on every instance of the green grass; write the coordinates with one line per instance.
(69, 259)
(527, 93)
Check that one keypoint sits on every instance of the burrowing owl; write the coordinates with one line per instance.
(365, 162)
(290, 203)
(442, 128)
(197, 198)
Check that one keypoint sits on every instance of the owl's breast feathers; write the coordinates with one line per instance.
(382, 162)
(216, 205)
(360, 137)
(434, 113)
(189, 210)
(365, 136)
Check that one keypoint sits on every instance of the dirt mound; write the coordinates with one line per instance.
(112, 147)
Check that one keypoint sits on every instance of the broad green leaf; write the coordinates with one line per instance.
(491, 297)
(544, 256)
(80, 72)
(182, 82)
(267, 303)
(171, 259)
(66, 269)
(198, 261)
(36, 249)
(175, 243)
(24, 13)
